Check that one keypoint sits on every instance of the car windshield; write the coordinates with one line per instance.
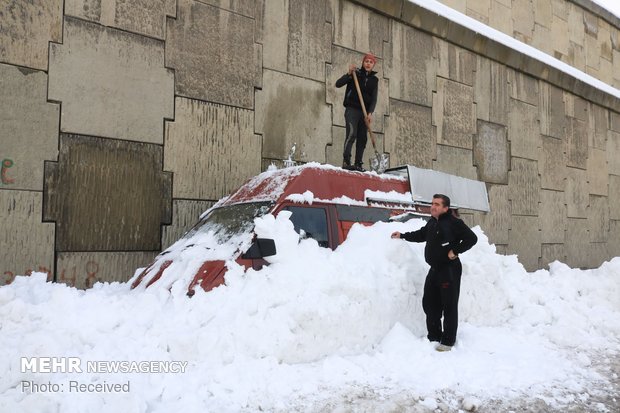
(226, 222)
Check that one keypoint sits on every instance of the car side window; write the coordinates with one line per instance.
(313, 221)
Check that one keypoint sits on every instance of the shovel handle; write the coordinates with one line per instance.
(359, 95)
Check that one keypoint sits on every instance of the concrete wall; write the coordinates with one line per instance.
(578, 32)
(121, 122)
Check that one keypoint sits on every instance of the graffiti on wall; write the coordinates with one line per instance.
(4, 177)
(86, 277)
(7, 277)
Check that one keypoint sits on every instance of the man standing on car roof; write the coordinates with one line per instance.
(354, 118)
(446, 237)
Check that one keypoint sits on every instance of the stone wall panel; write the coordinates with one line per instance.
(411, 69)
(111, 83)
(27, 28)
(211, 149)
(523, 130)
(147, 17)
(491, 153)
(598, 178)
(454, 114)
(598, 218)
(524, 240)
(84, 269)
(552, 164)
(26, 244)
(410, 135)
(124, 196)
(213, 53)
(496, 223)
(576, 193)
(614, 197)
(524, 186)
(28, 128)
(292, 111)
(552, 216)
(455, 161)
(551, 253)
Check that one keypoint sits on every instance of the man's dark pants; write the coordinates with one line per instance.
(356, 132)
(441, 296)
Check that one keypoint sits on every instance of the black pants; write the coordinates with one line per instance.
(441, 297)
(356, 132)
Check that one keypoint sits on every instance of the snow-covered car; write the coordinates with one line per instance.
(324, 203)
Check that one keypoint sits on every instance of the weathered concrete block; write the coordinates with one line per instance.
(577, 243)
(577, 108)
(410, 135)
(359, 28)
(496, 223)
(491, 153)
(577, 197)
(296, 36)
(501, 249)
(211, 148)
(523, 130)
(185, 214)
(213, 53)
(593, 52)
(411, 68)
(552, 164)
(455, 63)
(499, 17)
(523, 87)
(576, 32)
(604, 40)
(551, 253)
(26, 244)
(559, 39)
(523, 17)
(524, 186)
(479, 10)
(28, 128)
(598, 176)
(454, 114)
(543, 12)
(598, 218)
(552, 111)
(576, 143)
(524, 240)
(614, 197)
(123, 199)
(613, 246)
(244, 7)
(146, 17)
(342, 58)
(576, 56)
(84, 269)
(540, 38)
(614, 121)
(552, 216)
(613, 152)
(111, 83)
(498, 93)
(598, 124)
(455, 161)
(292, 111)
(26, 29)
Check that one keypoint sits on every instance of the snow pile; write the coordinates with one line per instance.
(317, 328)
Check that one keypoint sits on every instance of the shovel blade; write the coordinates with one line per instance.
(380, 162)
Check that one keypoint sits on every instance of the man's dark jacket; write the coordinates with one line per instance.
(442, 235)
(369, 86)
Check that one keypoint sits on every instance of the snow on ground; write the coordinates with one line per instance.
(321, 330)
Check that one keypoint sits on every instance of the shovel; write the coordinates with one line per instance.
(381, 161)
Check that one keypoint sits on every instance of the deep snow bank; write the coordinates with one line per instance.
(317, 324)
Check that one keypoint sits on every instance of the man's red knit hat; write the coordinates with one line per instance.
(371, 57)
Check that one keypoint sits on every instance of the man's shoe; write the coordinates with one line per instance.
(358, 167)
(347, 165)
(443, 347)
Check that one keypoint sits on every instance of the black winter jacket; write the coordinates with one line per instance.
(442, 235)
(369, 86)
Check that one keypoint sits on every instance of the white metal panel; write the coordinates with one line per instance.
(463, 192)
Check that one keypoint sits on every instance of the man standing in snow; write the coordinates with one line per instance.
(354, 118)
(446, 237)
